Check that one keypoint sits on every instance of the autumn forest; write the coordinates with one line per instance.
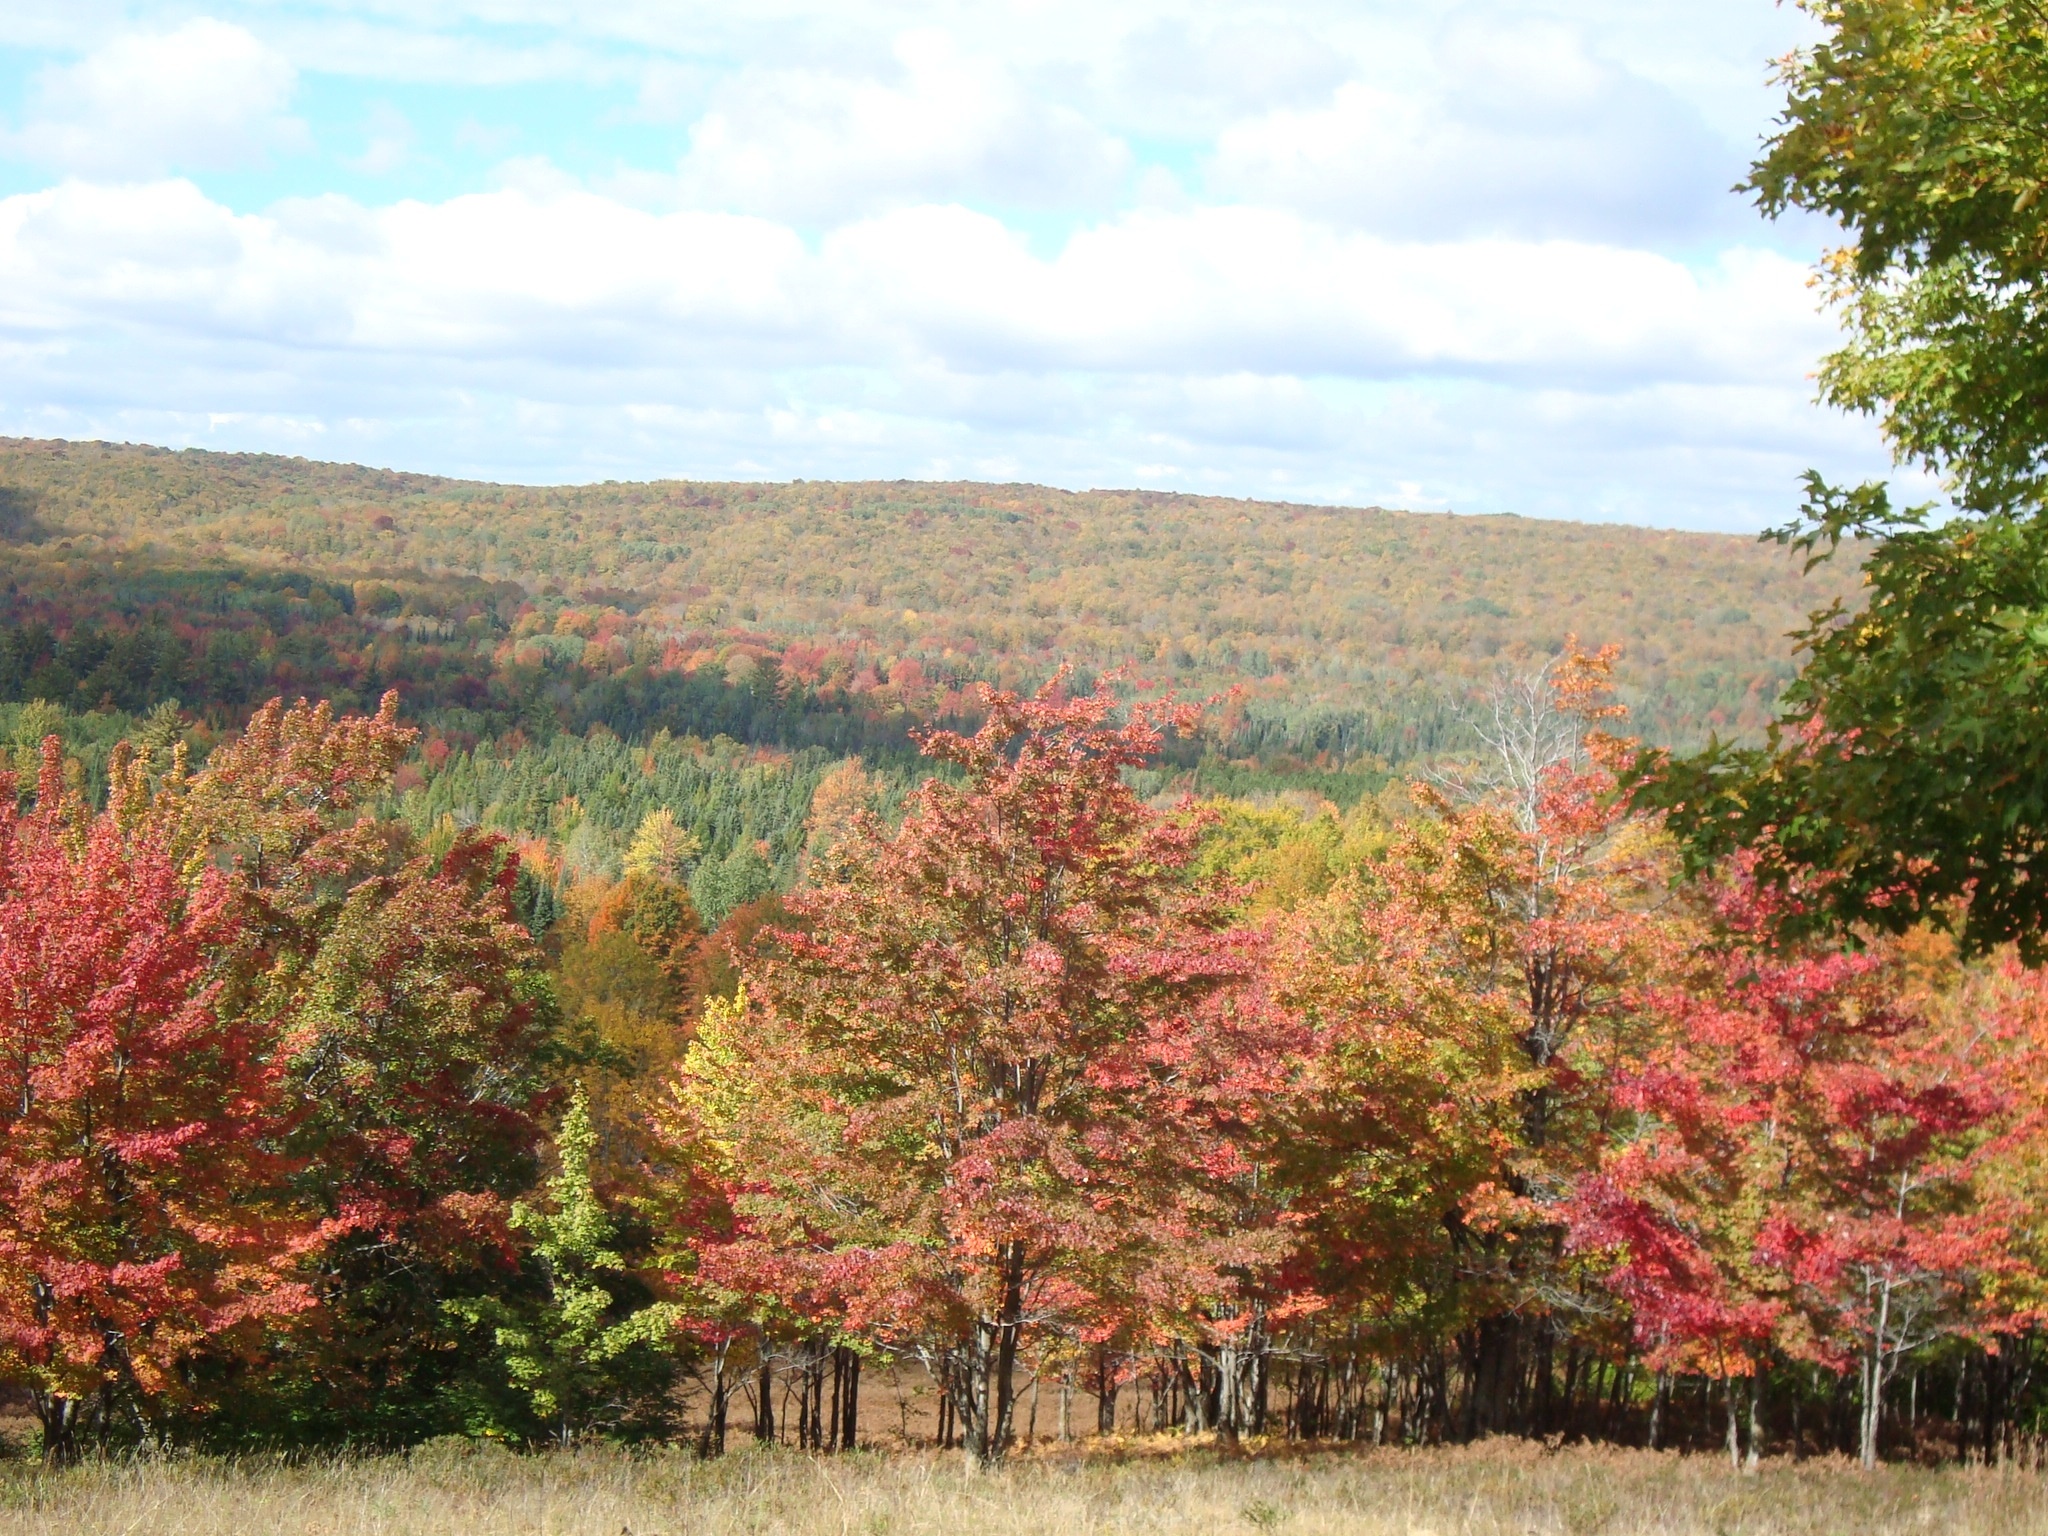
(970, 968)
(660, 981)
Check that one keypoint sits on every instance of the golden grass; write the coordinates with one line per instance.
(1499, 1490)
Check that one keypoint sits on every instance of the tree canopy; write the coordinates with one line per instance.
(1905, 780)
(1919, 128)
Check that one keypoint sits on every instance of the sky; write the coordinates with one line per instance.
(1471, 255)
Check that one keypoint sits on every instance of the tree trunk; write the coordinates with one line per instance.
(764, 1406)
(1572, 1363)
(1753, 1458)
(1232, 1394)
(984, 1384)
(58, 1415)
(1105, 1393)
(849, 1400)
(1873, 1406)
(712, 1441)
(1997, 1380)
(1539, 1411)
(1262, 1379)
(1873, 1376)
(832, 1405)
(810, 1395)
(1734, 1426)
(969, 1380)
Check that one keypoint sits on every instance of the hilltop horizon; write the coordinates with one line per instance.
(765, 480)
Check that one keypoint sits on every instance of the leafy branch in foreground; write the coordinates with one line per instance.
(1918, 127)
(1907, 781)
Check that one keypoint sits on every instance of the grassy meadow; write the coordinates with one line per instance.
(1497, 1489)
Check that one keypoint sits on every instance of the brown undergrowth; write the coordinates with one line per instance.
(1163, 1486)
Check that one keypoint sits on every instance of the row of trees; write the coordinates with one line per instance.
(1498, 1128)
(1506, 1102)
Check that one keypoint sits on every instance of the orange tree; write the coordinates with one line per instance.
(1471, 993)
(1007, 1079)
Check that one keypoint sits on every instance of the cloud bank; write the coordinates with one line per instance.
(1486, 264)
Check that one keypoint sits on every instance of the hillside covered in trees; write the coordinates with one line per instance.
(813, 614)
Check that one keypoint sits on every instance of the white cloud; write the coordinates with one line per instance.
(207, 95)
(578, 280)
(816, 146)
(1321, 248)
(388, 141)
(1264, 290)
(1173, 75)
(1511, 129)
(546, 330)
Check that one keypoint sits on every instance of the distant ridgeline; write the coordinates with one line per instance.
(829, 615)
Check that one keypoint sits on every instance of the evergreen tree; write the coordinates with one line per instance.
(589, 1352)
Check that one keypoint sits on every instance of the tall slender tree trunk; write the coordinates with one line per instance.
(712, 1441)
(832, 1405)
(1105, 1392)
(1538, 1412)
(1873, 1377)
(764, 1405)
(849, 1400)
(1262, 1373)
(1753, 1457)
(985, 1387)
(1997, 1402)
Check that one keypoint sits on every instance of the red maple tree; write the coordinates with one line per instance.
(1007, 1077)
(1796, 1175)
(144, 1208)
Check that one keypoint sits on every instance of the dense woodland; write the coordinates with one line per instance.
(1354, 632)
(338, 1117)
(593, 1017)
(1134, 964)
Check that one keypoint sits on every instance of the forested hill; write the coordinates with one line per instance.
(1356, 630)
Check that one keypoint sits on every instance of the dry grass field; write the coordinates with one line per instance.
(1500, 1490)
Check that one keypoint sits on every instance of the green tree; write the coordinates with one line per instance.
(1907, 781)
(1907, 777)
(422, 1056)
(1921, 127)
(662, 849)
(589, 1352)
